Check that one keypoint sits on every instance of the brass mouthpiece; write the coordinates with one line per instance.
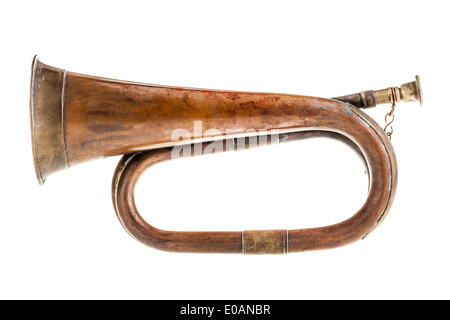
(411, 91)
(407, 92)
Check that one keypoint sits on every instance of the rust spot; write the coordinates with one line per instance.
(232, 96)
(107, 128)
(110, 110)
(250, 103)
(186, 100)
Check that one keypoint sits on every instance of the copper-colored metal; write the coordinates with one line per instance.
(363, 135)
(76, 118)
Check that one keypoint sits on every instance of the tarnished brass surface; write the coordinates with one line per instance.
(265, 242)
(363, 100)
(408, 92)
(46, 112)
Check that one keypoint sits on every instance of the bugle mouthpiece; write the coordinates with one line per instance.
(407, 92)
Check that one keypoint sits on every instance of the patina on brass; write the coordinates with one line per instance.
(265, 241)
(408, 92)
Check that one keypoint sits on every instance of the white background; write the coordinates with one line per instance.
(63, 241)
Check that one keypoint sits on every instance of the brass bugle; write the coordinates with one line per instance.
(76, 118)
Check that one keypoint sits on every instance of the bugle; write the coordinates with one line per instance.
(76, 118)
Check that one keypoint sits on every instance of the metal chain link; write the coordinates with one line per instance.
(389, 118)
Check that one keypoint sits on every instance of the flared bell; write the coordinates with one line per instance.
(47, 125)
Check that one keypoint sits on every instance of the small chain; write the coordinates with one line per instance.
(389, 118)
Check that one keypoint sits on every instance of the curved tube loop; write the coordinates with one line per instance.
(361, 133)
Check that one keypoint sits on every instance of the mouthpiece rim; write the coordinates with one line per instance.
(419, 90)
